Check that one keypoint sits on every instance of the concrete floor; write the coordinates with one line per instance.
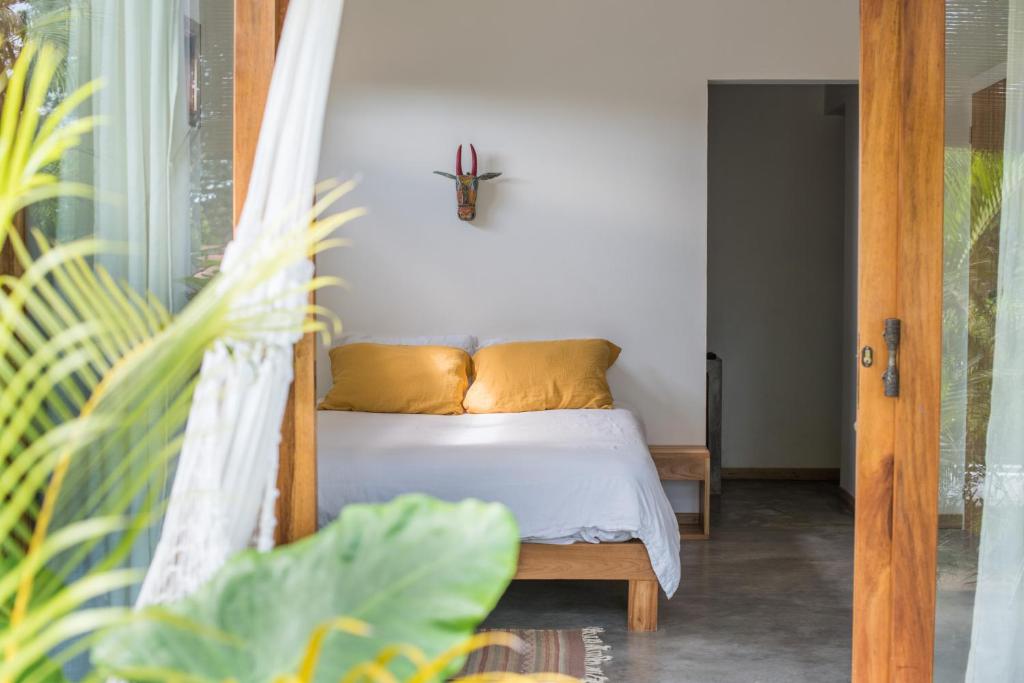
(767, 599)
(954, 604)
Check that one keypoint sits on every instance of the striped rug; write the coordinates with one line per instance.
(573, 652)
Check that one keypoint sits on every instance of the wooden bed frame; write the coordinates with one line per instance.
(628, 561)
(257, 29)
(599, 561)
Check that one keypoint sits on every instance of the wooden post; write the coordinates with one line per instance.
(879, 204)
(919, 297)
(257, 29)
(900, 276)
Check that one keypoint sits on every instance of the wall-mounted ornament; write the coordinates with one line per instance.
(466, 184)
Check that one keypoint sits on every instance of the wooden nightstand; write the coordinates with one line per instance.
(688, 463)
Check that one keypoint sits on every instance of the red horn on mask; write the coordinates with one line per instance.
(472, 149)
(458, 161)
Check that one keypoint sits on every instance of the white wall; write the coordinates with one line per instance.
(596, 112)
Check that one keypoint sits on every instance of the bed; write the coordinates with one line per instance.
(581, 484)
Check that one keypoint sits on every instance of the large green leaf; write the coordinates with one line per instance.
(417, 570)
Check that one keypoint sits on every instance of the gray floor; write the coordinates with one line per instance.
(766, 599)
(954, 605)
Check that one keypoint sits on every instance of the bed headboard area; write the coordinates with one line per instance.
(597, 226)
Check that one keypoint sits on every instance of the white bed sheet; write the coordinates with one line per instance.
(566, 475)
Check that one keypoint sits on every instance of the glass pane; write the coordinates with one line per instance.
(209, 39)
(980, 610)
(161, 160)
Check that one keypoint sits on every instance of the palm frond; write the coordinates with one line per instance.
(96, 382)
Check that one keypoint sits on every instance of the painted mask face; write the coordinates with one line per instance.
(466, 184)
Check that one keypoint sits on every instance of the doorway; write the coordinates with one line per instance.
(782, 235)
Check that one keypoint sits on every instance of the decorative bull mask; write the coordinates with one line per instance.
(466, 185)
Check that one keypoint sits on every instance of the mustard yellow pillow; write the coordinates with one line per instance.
(381, 378)
(545, 375)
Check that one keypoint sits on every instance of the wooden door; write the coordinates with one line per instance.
(900, 257)
(942, 252)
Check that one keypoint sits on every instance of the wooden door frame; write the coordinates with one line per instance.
(900, 255)
(258, 26)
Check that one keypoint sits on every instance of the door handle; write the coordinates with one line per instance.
(891, 376)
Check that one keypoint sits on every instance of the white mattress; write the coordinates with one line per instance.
(566, 475)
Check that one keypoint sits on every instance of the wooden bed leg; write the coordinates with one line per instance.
(643, 605)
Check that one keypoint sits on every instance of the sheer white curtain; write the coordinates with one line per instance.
(141, 165)
(224, 489)
(137, 159)
(997, 637)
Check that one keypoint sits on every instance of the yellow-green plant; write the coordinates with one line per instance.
(95, 386)
(96, 382)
